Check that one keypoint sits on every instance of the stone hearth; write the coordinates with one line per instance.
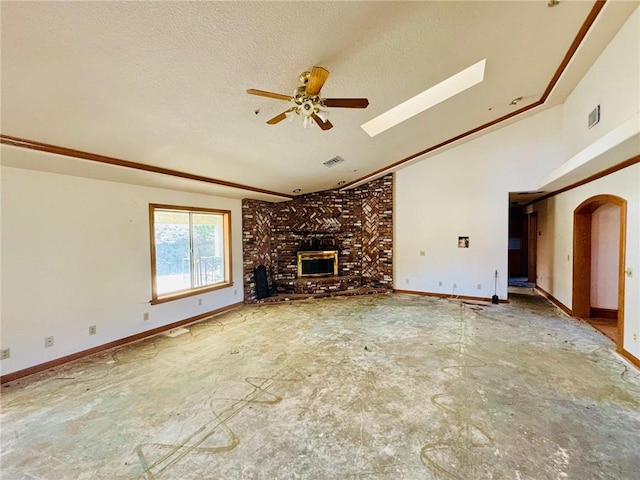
(310, 285)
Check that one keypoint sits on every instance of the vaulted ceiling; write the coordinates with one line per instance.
(163, 84)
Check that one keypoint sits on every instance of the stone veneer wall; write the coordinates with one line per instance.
(359, 221)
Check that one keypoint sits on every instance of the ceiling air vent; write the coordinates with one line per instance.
(334, 161)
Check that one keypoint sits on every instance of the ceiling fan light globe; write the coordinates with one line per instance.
(323, 115)
(307, 122)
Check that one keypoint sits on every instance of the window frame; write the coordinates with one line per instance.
(226, 236)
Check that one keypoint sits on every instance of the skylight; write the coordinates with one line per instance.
(453, 85)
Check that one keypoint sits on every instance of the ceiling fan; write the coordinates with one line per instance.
(307, 102)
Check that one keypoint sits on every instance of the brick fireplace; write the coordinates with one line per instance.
(357, 224)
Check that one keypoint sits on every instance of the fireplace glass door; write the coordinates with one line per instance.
(318, 263)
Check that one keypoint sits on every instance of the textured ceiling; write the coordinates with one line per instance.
(164, 84)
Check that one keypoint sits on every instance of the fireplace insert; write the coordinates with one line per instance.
(317, 263)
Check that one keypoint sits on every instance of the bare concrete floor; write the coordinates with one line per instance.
(381, 387)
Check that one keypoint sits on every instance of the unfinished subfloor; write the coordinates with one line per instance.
(382, 387)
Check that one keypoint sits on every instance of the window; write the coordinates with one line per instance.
(190, 251)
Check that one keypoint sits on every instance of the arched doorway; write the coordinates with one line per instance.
(583, 257)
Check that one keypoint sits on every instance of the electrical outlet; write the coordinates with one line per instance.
(406, 280)
(440, 283)
(422, 253)
(479, 286)
(48, 341)
(145, 316)
(454, 286)
(629, 272)
(235, 292)
(92, 330)
(5, 353)
(199, 301)
(635, 339)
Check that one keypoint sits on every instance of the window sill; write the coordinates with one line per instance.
(190, 293)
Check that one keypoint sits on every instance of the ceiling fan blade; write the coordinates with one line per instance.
(279, 118)
(323, 125)
(346, 102)
(262, 93)
(317, 78)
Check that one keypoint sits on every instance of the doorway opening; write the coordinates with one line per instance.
(523, 235)
(599, 235)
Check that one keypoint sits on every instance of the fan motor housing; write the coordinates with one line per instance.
(304, 77)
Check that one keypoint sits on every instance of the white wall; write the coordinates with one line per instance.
(605, 241)
(75, 252)
(613, 83)
(465, 192)
(555, 246)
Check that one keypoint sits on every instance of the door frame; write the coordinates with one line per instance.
(581, 297)
(532, 245)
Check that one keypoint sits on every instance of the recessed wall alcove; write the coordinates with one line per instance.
(358, 223)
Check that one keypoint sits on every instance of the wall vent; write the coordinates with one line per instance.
(334, 161)
(594, 116)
